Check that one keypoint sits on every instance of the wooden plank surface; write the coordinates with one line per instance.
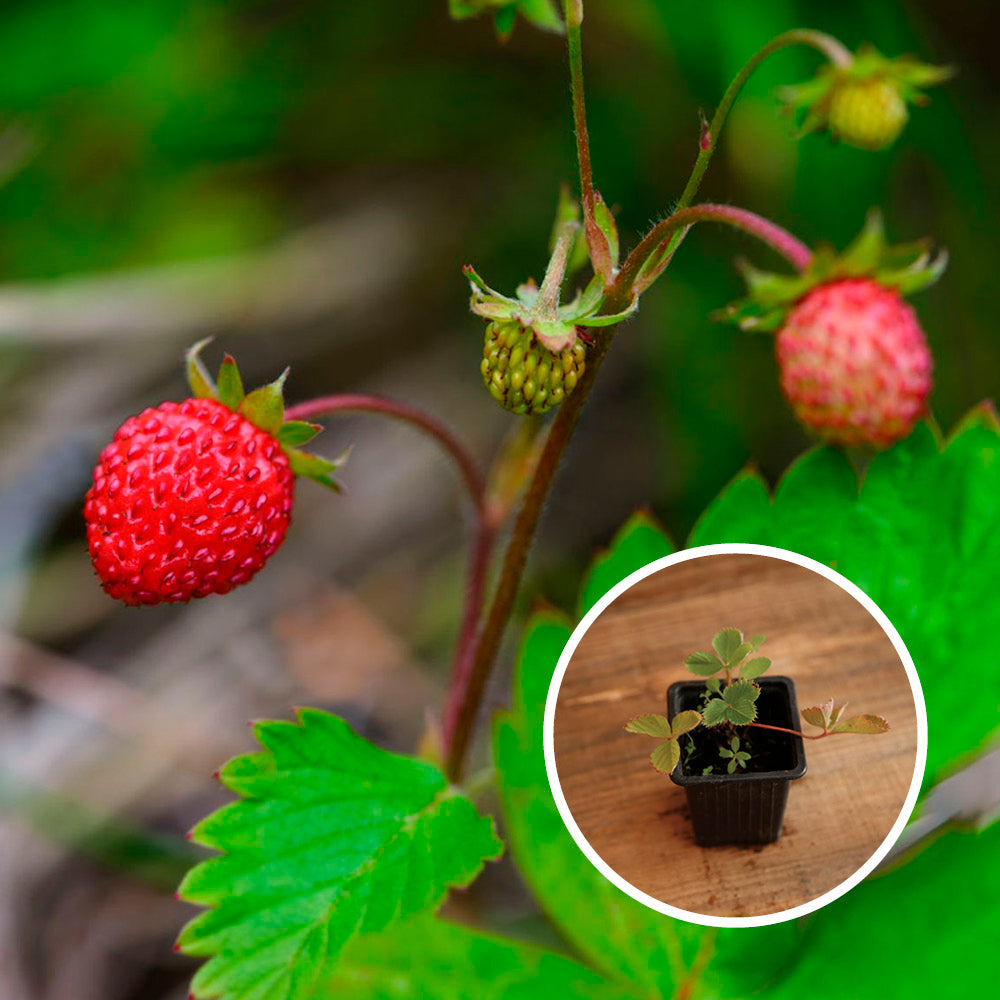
(636, 818)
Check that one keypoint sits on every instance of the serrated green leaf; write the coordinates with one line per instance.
(754, 668)
(265, 407)
(684, 722)
(958, 875)
(425, 957)
(639, 541)
(921, 537)
(703, 664)
(862, 724)
(756, 641)
(294, 433)
(665, 756)
(331, 836)
(230, 385)
(714, 712)
(714, 684)
(815, 717)
(650, 725)
(726, 643)
(743, 650)
(201, 383)
(741, 702)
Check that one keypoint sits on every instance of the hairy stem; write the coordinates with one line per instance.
(485, 528)
(780, 240)
(464, 699)
(574, 19)
(837, 53)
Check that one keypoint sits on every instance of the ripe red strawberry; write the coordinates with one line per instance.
(854, 363)
(192, 498)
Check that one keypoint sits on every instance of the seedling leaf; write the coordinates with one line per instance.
(862, 724)
(815, 717)
(703, 664)
(651, 725)
(726, 643)
(741, 702)
(665, 756)
(684, 722)
(754, 668)
(714, 712)
(331, 836)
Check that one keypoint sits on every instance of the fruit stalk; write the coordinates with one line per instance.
(485, 526)
(780, 240)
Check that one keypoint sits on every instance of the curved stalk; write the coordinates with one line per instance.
(485, 528)
(833, 49)
(780, 240)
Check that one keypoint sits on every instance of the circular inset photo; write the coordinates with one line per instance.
(735, 735)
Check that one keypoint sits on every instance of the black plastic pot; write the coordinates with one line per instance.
(745, 807)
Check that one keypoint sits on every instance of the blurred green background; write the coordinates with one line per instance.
(304, 180)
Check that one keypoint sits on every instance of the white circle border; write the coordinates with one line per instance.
(700, 552)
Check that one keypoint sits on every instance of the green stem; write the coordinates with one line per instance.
(836, 52)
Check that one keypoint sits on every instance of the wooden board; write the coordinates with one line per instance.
(636, 818)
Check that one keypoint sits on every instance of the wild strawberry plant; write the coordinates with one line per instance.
(335, 854)
(733, 706)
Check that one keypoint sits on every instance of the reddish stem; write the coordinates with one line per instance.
(485, 529)
(792, 732)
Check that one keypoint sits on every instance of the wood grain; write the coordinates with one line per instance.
(636, 819)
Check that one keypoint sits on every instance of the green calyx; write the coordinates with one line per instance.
(543, 14)
(875, 88)
(907, 268)
(264, 408)
(537, 308)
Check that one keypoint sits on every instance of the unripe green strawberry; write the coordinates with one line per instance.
(868, 113)
(523, 375)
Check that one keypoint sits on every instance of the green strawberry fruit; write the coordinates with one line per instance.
(523, 375)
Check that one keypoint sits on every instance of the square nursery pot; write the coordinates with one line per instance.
(746, 807)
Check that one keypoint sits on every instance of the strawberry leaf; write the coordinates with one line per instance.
(330, 836)
(703, 664)
(684, 722)
(754, 668)
(726, 643)
(650, 725)
(815, 717)
(429, 957)
(862, 724)
(665, 756)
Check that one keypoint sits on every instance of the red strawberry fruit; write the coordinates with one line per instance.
(192, 498)
(854, 363)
